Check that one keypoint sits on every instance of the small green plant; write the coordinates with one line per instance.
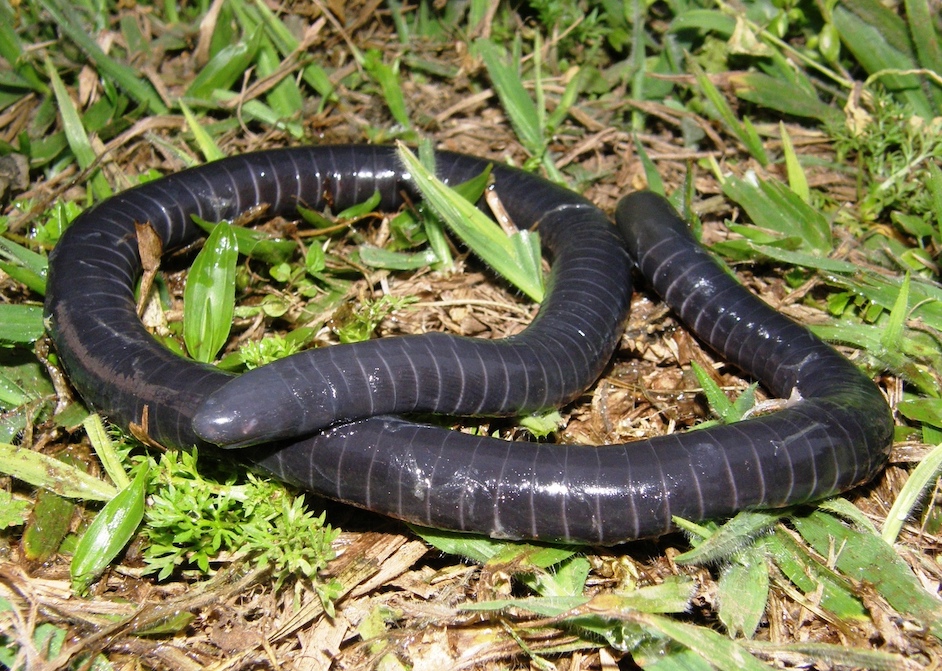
(192, 519)
(367, 316)
(895, 151)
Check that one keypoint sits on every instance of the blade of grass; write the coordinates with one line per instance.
(527, 118)
(209, 295)
(520, 108)
(225, 68)
(743, 591)
(772, 205)
(75, 133)
(44, 471)
(927, 43)
(877, 48)
(715, 648)
(920, 481)
(208, 146)
(286, 43)
(126, 77)
(782, 96)
(828, 588)
(104, 448)
(108, 534)
(744, 131)
(21, 324)
(651, 174)
(797, 180)
(730, 538)
(868, 558)
(11, 50)
(482, 235)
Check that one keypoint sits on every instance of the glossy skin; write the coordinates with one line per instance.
(833, 439)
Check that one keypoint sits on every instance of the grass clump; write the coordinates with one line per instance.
(192, 520)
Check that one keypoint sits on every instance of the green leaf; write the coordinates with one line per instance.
(783, 96)
(105, 450)
(920, 480)
(893, 329)
(13, 511)
(828, 588)
(651, 174)
(24, 265)
(520, 108)
(43, 471)
(75, 133)
(709, 645)
(129, 79)
(797, 180)
(361, 209)
(208, 146)
(379, 257)
(49, 522)
(742, 592)
(487, 550)
(926, 39)
(743, 130)
(209, 296)
(877, 38)
(255, 243)
(868, 558)
(716, 397)
(225, 68)
(511, 256)
(112, 529)
(731, 537)
(20, 324)
(387, 76)
(772, 205)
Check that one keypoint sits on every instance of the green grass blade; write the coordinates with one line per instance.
(126, 77)
(877, 50)
(827, 587)
(772, 205)
(927, 43)
(514, 98)
(108, 534)
(75, 133)
(782, 96)
(717, 400)
(24, 265)
(715, 648)
(893, 334)
(731, 537)
(651, 174)
(313, 74)
(797, 180)
(20, 324)
(387, 76)
(482, 235)
(208, 146)
(105, 450)
(12, 51)
(41, 470)
(921, 480)
(868, 558)
(379, 257)
(209, 296)
(742, 592)
(744, 132)
(225, 68)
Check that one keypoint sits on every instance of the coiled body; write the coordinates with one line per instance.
(835, 437)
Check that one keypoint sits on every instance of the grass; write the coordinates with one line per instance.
(803, 139)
